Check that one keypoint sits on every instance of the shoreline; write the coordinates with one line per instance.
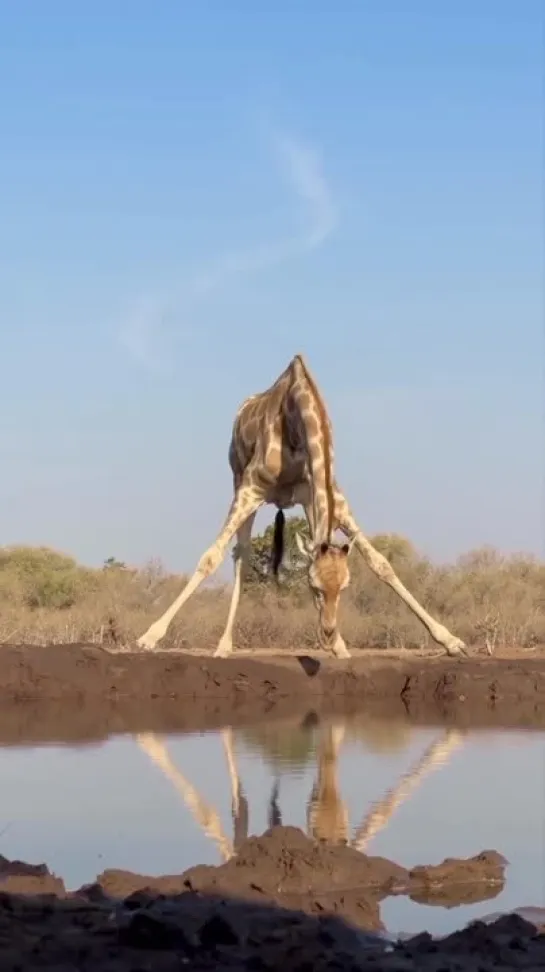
(83, 693)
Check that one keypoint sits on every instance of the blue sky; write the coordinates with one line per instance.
(191, 193)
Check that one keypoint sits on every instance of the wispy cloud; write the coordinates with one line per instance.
(301, 166)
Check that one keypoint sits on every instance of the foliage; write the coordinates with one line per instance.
(43, 577)
(111, 563)
(493, 601)
(293, 564)
(284, 746)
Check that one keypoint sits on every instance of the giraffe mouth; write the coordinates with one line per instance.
(328, 634)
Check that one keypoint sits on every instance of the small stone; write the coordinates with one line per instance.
(143, 930)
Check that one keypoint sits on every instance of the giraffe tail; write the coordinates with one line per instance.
(278, 541)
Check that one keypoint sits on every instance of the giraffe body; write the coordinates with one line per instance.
(281, 453)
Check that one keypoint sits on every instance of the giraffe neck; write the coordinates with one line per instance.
(320, 450)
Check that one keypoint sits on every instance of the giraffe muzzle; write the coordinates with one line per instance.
(328, 633)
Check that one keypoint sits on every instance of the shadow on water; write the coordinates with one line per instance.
(210, 932)
(311, 666)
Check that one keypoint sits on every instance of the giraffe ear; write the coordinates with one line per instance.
(303, 545)
(347, 547)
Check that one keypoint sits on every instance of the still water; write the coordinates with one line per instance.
(139, 802)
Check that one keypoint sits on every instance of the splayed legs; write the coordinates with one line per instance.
(246, 502)
(385, 572)
(242, 551)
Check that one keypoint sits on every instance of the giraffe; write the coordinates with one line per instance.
(281, 453)
(327, 816)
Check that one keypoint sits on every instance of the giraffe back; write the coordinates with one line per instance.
(268, 438)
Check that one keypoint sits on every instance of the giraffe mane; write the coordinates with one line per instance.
(326, 438)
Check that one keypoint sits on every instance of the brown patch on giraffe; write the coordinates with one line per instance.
(326, 440)
(250, 427)
(273, 460)
(317, 456)
(313, 426)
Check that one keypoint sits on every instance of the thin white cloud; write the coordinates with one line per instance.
(301, 166)
(140, 329)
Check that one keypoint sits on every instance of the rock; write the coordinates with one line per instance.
(142, 929)
(217, 931)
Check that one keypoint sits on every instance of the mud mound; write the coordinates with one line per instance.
(18, 877)
(286, 868)
(91, 691)
(203, 919)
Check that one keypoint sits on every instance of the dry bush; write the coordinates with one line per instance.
(494, 602)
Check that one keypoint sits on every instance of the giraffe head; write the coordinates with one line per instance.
(328, 575)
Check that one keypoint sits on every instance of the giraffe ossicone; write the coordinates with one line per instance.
(281, 453)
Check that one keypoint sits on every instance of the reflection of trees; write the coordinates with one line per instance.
(283, 746)
(292, 745)
(378, 735)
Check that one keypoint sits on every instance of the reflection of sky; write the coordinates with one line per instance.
(82, 810)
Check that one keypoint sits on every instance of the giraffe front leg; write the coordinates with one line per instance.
(239, 803)
(385, 572)
(246, 501)
(242, 551)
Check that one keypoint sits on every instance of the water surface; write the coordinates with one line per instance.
(83, 809)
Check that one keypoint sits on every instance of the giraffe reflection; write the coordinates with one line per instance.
(327, 815)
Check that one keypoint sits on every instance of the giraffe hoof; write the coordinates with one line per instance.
(340, 650)
(147, 641)
(455, 648)
(223, 651)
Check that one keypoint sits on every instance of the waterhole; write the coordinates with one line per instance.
(157, 804)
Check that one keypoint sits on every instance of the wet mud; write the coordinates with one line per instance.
(286, 901)
(78, 693)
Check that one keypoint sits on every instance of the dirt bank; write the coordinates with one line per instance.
(91, 692)
(285, 901)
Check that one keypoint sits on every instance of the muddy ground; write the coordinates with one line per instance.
(78, 693)
(285, 901)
